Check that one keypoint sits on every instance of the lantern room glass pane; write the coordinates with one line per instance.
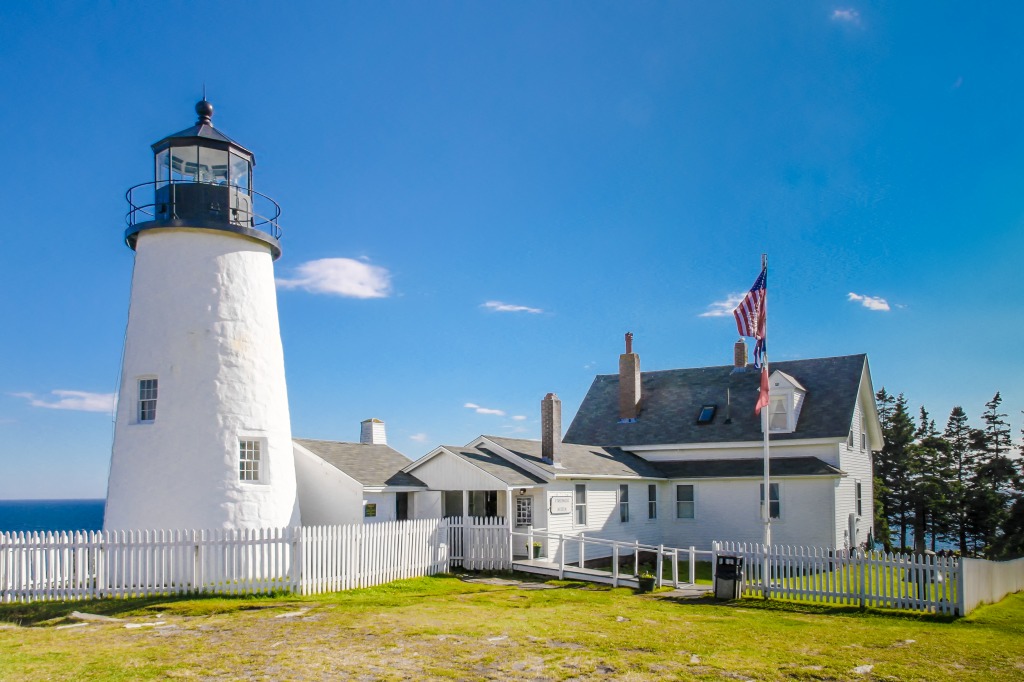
(163, 171)
(213, 166)
(240, 172)
(184, 164)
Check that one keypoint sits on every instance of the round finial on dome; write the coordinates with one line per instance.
(205, 111)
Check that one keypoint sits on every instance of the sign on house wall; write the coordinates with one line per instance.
(560, 504)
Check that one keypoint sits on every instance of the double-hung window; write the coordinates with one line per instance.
(774, 507)
(652, 501)
(147, 400)
(624, 503)
(581, 504)
(684, 502)
(860, 500)
(249, 460)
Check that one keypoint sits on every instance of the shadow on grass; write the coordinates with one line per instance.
(782, 606)
(55, 612)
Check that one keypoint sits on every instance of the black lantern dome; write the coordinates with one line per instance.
(203, 179)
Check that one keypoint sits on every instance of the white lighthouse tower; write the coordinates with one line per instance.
(202, 436)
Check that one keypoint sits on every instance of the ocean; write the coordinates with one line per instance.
(26, 515)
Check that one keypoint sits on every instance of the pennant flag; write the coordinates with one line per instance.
(762, 397)
(752, 312)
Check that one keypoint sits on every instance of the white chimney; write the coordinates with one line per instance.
(371, 432)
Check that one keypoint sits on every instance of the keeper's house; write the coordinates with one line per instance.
(675, 457)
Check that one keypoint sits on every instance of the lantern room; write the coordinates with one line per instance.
(203, 179)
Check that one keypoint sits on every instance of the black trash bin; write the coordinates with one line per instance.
(728, 577)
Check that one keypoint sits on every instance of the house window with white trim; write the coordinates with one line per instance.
(581, 504)
(684, 502)
(249, 450)
(778, 415)
(860, 500)
(147, 399)
(652, 501)
(524, 511)
(864, 440)
(774, 508)
(624, 503)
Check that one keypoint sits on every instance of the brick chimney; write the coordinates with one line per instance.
(629, 381)
(739, 355)
(550, 427)
(371, 432)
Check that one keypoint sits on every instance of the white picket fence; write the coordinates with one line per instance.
(302, 560)
(850, 577)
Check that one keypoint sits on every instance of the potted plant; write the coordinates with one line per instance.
(646, 580)
(536, 550)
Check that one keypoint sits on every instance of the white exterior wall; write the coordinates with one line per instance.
(856, 462)
(385, 502)
(327, 496)
(203, 320)
(730, 509)
(449, 472)
(425, 504)
(603, 518)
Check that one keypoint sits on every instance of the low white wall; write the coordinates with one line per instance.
(987, 582)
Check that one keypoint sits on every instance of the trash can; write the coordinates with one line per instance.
(728, 577)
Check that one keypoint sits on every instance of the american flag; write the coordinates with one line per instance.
(751, 314)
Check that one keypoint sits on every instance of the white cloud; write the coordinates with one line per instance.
(340, 277)
(418, 437)
(519, 417)
(869, 302)
(849, 16)
(484, 410)
(723, 308)
(500, 307)
(81, 401)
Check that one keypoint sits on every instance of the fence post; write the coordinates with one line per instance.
(693, 565)
(561, 556)
(714, 560)
(862, 559)
(661, 552)
(615, 565)
(582, 560)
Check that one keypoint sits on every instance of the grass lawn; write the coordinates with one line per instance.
(447, 628)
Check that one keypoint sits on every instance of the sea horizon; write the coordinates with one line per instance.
(26, 515)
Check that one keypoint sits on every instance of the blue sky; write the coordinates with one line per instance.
(481, 198)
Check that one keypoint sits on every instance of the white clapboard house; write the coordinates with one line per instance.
(675, 457)
(364, 482)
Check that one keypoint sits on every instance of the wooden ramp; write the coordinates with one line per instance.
(592, 575)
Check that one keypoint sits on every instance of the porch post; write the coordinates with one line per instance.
(509, 522)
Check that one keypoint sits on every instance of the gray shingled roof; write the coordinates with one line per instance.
(371, 465)
(497, 466)
(727, 468)
(584, 460)
(672, 400)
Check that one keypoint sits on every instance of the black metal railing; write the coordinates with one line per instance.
(205, 203)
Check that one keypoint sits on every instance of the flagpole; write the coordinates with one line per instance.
(767, 515)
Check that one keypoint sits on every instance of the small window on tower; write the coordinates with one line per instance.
(249, 460)
(147, 400)
(707, 413)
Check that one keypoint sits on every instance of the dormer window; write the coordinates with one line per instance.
(786, 398)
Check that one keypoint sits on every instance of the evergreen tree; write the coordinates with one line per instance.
(930, 473)
(1010, 543)
(894, 465)
(959, 447)
(880, 465)
(993, 478)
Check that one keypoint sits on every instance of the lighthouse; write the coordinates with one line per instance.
(202, 434)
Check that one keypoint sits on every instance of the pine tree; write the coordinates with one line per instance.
(883, 494)
(894, 466)
(930, 466)
(993, 477)
(959, 443)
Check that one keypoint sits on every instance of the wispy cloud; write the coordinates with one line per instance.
(723, 308)
(81, 401)
(869, 302)
(500, 307)
(519, 417)
(419, 437)
(484, 410)
(849, 16)
(340, 277)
